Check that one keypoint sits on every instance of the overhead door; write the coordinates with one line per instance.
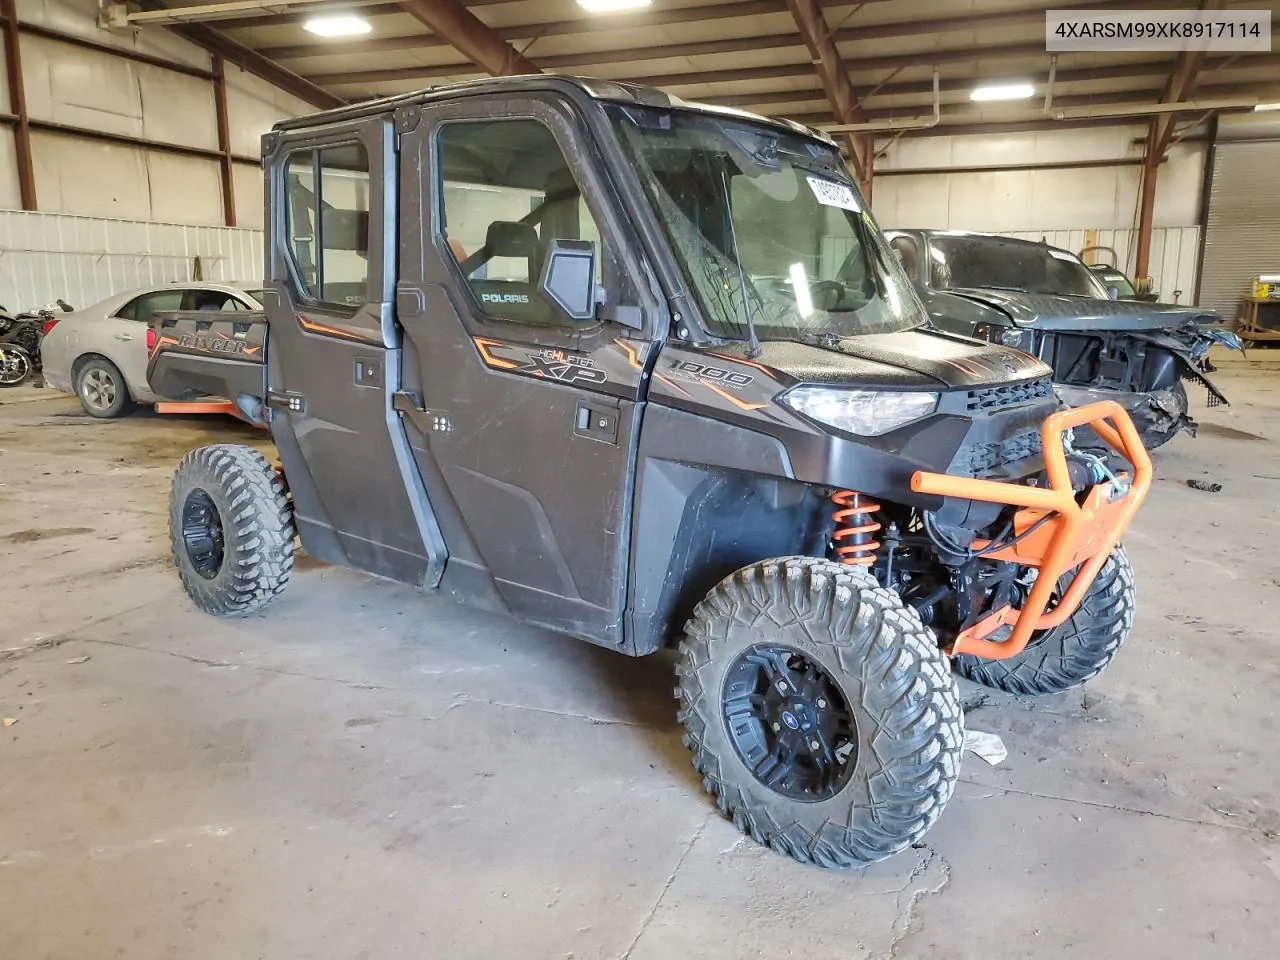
(1242, 236)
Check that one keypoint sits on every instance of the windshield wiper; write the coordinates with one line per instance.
(996, 286)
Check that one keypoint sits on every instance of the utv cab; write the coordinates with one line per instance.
(647, 373)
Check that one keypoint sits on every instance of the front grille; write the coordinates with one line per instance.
(997, 398)
(983, 458)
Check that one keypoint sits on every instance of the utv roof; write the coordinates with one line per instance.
(605, 90)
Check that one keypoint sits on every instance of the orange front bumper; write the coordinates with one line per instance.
(1075, 535)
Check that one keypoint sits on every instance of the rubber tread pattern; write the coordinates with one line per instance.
(1074, 653)
(898, 683)
(258, 528)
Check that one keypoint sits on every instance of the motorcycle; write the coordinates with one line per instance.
(20, 337)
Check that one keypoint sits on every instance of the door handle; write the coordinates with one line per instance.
(124, 336)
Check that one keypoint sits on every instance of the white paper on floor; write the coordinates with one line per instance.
(988, 746)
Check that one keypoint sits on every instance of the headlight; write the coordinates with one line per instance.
(1009, 336)
(867, 413)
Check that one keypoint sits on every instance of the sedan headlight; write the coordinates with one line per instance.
(1015, 337)
(867, 413)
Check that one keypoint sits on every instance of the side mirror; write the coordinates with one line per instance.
(568, 279)
(1113, 293)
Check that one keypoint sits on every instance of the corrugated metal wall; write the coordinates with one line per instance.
(44, 256)
(1242, 239)
(1175, 254)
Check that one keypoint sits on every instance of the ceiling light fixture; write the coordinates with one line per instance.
(339, 25)
(1003, 91)
(612, 6)
(1266, 107)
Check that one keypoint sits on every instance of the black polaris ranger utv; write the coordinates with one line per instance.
(647, 373)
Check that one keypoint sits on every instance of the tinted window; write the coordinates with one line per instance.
(327, 222)
(507, 191)
(211, 300)
(141, 308)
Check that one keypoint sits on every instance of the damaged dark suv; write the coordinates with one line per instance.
(1045, 301)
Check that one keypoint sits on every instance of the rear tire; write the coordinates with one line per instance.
(102, 389)
(231, 529)
(847, 655)
(1074, 653)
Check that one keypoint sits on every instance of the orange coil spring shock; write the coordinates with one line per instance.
(854, 527)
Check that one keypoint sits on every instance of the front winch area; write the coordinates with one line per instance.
(1055, 528)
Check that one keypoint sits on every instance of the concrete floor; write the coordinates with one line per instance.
(363, 771)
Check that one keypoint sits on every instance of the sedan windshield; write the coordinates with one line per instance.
(992, 263)
(767, 224)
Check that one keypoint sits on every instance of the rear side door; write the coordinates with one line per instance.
(525, 424)
(124, 336)
(333, 352)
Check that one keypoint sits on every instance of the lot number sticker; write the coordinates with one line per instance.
(832, 194)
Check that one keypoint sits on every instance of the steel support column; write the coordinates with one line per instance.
(18, 104)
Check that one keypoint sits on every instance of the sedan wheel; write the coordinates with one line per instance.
(102, 390)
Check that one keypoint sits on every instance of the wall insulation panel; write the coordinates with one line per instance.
(86, 259)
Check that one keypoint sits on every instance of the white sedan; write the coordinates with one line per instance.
(100, 353)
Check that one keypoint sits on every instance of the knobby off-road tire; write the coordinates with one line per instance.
(231, 529)
(896, 685)
(1067, 656)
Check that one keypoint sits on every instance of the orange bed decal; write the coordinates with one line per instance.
(1067, 534)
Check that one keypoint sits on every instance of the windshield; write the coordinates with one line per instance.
(767, 222)
(1114, 278)
(1009, 265)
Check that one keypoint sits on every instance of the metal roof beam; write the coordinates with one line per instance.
(470, 36)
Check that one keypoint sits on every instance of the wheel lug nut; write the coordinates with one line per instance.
(822, 704)
(814, 744)
(782, 686)
(777, 726)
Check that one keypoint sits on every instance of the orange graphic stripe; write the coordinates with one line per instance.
(632, 358)
(734, 400)
(672, 384)
(313, 327)
(161, 342)
(498, 363)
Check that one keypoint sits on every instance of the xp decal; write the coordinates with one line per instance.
(547, 363)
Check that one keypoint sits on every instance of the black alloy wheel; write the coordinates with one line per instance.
(789, 723)
(202, 534)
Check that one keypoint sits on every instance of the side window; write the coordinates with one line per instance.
(507, 191)
(327, 222)
(209, 300)
(141, 308)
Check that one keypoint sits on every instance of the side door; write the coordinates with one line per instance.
(333, 354)
(124, 336)
(525, 422)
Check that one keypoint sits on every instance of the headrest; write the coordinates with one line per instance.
(507, 239)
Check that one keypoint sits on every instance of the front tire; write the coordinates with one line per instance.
(1073, 653)
(102, 389)
(231, 529)
(820, 711)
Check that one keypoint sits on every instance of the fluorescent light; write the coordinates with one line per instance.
(340, 25)
(1265, 107)
(800, 283)
(1003, 91)
(612, 6)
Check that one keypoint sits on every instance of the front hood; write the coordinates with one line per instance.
(911, 359)
(1048, 312)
